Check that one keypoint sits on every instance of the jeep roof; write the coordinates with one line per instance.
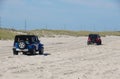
(94, 35)
(23, 37)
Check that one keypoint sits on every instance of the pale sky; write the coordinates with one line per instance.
(92, 15)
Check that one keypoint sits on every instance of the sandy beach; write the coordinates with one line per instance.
(64, 58)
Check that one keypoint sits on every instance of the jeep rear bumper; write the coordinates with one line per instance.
(20, 50)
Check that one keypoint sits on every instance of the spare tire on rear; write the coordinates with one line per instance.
(22, 45)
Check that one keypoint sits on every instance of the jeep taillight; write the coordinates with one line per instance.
(98, 39)
(89, 39)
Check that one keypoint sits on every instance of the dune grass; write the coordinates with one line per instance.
(52, 33)
(9, 34)
(6, 34)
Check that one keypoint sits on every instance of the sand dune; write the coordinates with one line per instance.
(64, 58)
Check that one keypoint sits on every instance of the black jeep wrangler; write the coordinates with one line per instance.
(27, 44)
(94, 39)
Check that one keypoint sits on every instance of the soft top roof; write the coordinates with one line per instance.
(93, 34)
(25, 35)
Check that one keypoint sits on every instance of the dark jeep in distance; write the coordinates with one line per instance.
(27, 44)
(94, 39)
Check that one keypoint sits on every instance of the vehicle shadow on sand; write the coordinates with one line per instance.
(44, 54)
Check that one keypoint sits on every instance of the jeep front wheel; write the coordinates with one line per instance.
(33, 52)
(41, 51)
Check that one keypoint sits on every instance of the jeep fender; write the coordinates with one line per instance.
(41, 46)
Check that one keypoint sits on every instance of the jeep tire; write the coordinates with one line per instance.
(88, 43)
(33, 52)
(99, 43)
(22, 44)
(41, 51)
(15, 52)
